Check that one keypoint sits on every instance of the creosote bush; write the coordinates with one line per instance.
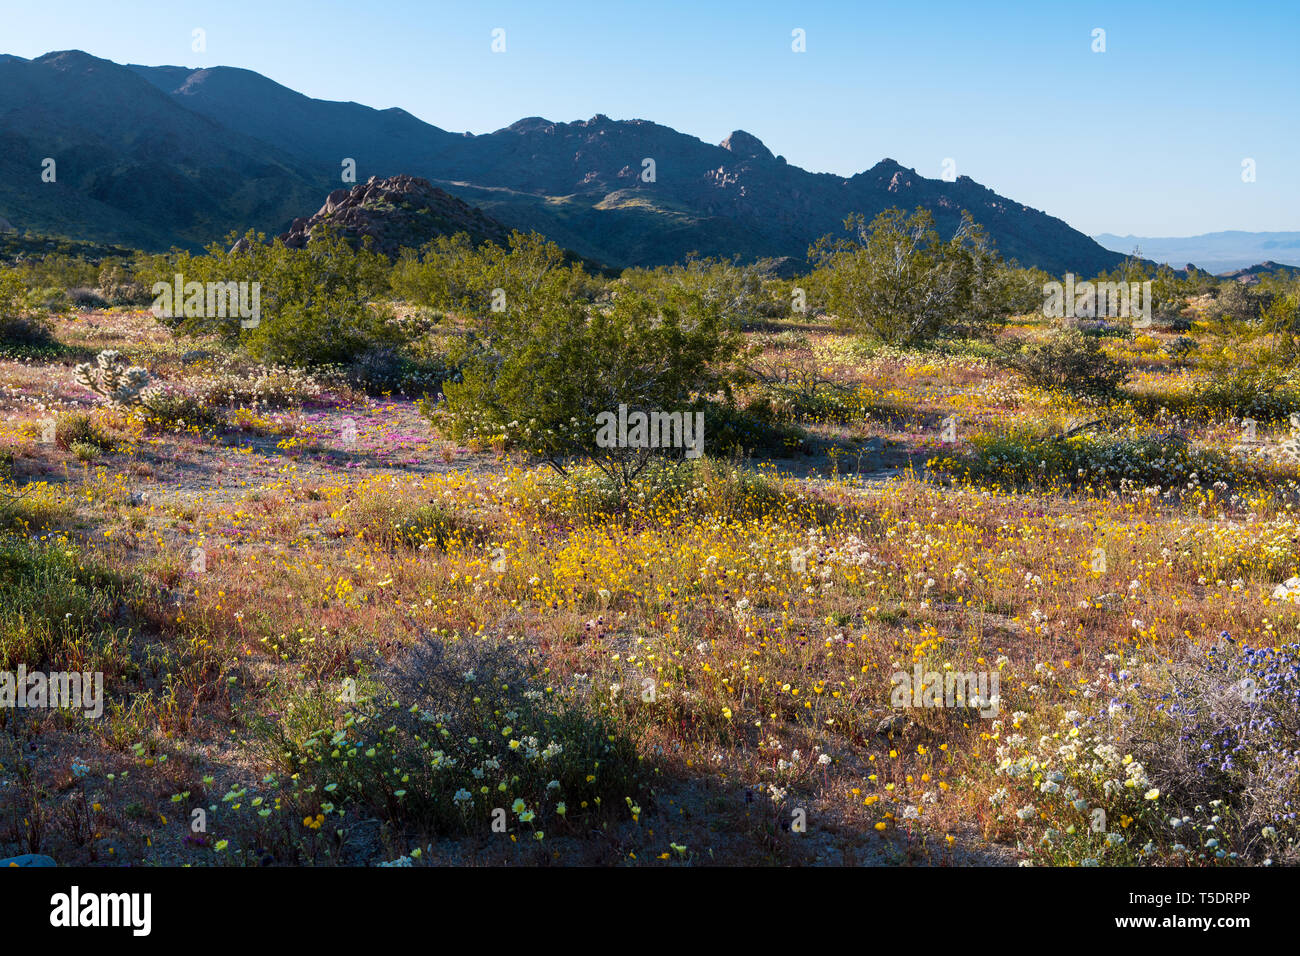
(1069, 361)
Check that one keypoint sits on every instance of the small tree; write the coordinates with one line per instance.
(896, 279)
(542, 382)
(998, 289)
(451, 275)
(1168, 294)
(1239, 302)
(737, 291)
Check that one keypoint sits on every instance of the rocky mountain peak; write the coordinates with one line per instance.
(746, 145)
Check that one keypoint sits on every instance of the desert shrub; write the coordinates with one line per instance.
(897, 281)
(314, 303)
(395, 522)
(1191, 761)
(20, 330)
(1180, 348)
(463, 731)
(1068, 361)
(58, 270)
(737, 292)
(1251, 364)
(119, 286)
(261, 387)
(26, 335)
(81, 297)
(450, 274)
(77, 429)
(49, 299)
(1239, 302)
(1266, 395)
(1236, 712)
(85, 451)
(712, 486)
(757, 426)
(1026, 458)
(398, 371)
(167, 406)
(1168, 295)
(999, 290)
(821, 401)
(322, 331)
(540, 380)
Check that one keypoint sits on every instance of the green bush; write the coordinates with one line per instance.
(50, 299)
(898, 282)
(540, 379)
(315, 303)
(169, 407)
(739, 293)
(324, 330)
(1025, 458)
(1264, 394)
(1069, 361)
(1238, 301)
(450, 274)
(20, 330)
(85, 451)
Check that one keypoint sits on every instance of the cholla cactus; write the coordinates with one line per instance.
(112, 379)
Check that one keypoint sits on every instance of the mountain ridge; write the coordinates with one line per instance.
(187, 155)
(1220, 252)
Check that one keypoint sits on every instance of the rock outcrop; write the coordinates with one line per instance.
(401, 211)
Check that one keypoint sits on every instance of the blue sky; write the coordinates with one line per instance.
(1146, 138)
